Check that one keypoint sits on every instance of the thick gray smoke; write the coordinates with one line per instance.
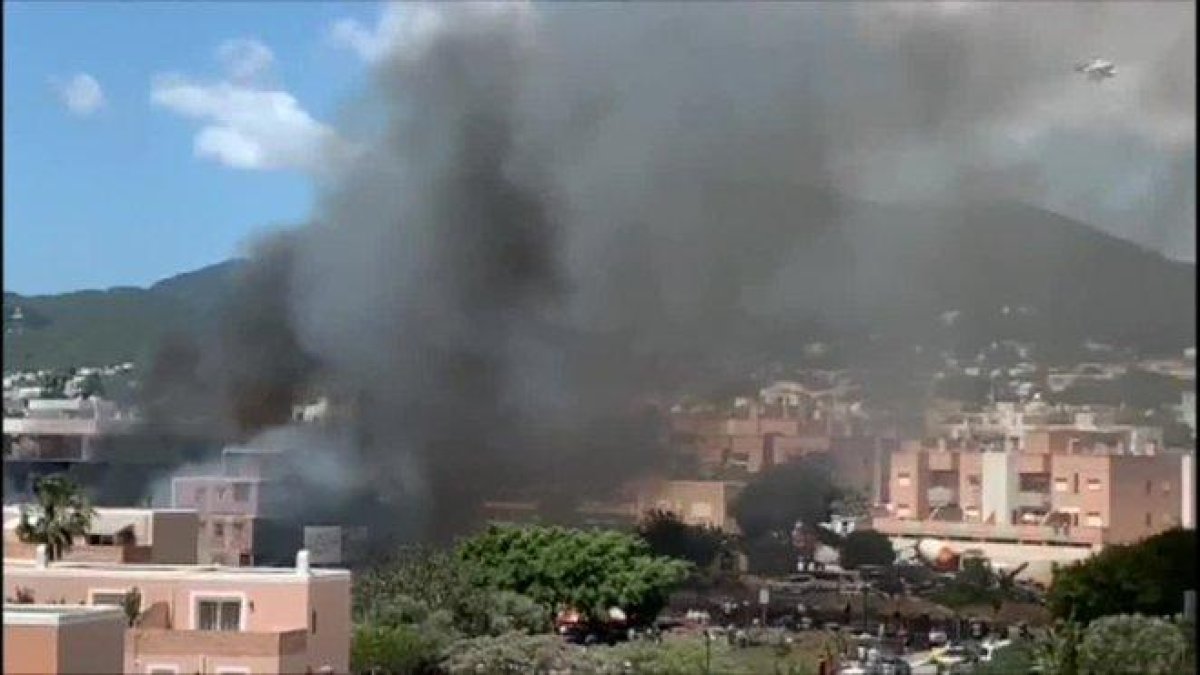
(568, 206)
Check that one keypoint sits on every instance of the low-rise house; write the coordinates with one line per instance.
(208, 619)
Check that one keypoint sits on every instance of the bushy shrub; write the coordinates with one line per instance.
(1116, 645)
(395, 650)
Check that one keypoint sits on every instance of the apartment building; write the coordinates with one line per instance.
(228, 509)
(232, 505)
(1053, 506)
(208, 619)
(61, 430)
(161, 536)
(63, 640)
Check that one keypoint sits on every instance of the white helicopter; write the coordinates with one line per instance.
(1097, 69)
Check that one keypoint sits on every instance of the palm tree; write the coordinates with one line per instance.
(62, 513)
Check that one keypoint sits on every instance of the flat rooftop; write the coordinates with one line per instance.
(59, 615)
(172, 572)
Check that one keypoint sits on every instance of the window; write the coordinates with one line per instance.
(1033, 482)
(162, 669)
(314, 622)
(238, 528)
(241, 492)
(903, 479)
(1093, 485)
(1075, 483)
(973, 480)
(245, 560)
(108, 597)
(218, 530)
(232, 670)
(1094, 519)
(219, 614)
(1166, 487)
(1060, 484)
(1149, 485)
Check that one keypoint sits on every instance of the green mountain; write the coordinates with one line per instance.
(858, 269)
(112, 326)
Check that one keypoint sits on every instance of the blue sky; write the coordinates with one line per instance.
(114, 193)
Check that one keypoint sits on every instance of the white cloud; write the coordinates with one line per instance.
(81, 94)
(373, 43)
(245, 59)
(248, 128)
(407, 28)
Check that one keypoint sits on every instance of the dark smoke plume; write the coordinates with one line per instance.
(569, 208)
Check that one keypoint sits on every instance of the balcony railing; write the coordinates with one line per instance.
(215, 643)
(981, 531)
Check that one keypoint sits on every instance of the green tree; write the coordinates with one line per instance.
(590, 571)
(1144, 578)
(61, 514)
(1114, 645)
(132, 605)
(418, 587)
(866, 547)
(668, 535)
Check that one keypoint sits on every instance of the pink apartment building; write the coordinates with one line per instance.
(228, 508)
(1052, 507)
(208, 619)
(63, 639)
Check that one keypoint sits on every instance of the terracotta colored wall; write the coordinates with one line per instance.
(330, 643)
(915, 494)
(30, 649)
(1079, 469)
(1131, 502)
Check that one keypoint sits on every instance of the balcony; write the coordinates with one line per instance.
(151, 642)
(1031, 534)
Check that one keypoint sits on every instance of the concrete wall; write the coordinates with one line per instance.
(175, 536)
(998, 496)
(93, 647)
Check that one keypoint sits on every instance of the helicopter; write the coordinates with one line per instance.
(1097, 69)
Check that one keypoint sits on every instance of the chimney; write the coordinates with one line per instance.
(42, 557)
(302, 567)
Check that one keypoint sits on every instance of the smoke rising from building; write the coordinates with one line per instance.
(568, 206)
